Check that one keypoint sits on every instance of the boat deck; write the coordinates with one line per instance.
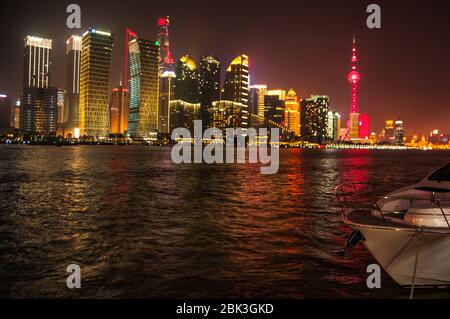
(370, 218)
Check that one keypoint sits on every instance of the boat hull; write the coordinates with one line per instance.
(397, 251)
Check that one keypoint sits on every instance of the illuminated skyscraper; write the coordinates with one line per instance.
(39, 110)
(274, 109)
(143, 64)
(256, 101)
(119, 111)
(183, 114)
(279, 92)
(315, 118)
(292, 112)
(226, 114)
(364, 126)
(16, 115)
(236, 85)
(186, 82)
(60, 118)
(333, 126)
(5, 111)
(399, 132)
(72, 101)
(209, 85)
(37, 62)
(94, 79)
(389, 132)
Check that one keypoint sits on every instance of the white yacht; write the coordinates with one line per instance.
(407, 231)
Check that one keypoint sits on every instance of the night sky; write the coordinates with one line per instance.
(306, 45)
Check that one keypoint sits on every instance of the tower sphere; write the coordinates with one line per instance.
(354, 77)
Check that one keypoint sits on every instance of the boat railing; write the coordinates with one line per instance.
(353, 196)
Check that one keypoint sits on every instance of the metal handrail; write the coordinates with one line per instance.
(340, 192)
(443, 212)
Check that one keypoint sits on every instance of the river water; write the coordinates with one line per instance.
(141, 226)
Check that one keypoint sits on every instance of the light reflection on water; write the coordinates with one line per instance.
(141, 226)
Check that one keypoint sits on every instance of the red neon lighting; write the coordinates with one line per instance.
(354, 77)
(162, 22)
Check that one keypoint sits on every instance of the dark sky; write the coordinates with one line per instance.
(306, 45)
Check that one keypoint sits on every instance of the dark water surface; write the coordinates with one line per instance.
(141, 226)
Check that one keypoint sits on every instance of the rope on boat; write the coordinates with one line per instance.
(418, 235)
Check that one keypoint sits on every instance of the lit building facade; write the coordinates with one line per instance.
(399, 132)
(143, 64)
(186, 82)
(72, 100)
(60, 117)
(39, 110)
(16, 115)
(119, 110)
(37, 62)
(256, 101)
(389, 132)
(292, 113)
(209, 85)
(315, 118)
(274, 109)
(333, 126)
(94, 80)
(364, 126)
(183, 114)
(5, 111)
(236, 86)
(226, 114)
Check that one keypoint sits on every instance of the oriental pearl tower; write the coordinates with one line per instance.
(354, 77)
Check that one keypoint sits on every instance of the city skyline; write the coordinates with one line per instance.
(403, 90)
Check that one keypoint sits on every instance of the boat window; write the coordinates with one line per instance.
(441, 175)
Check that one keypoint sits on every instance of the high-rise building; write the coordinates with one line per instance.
(60, 118)
(94, 81)
(226, 114)
(16, 115)
(315, 118)
(399, 132)
(166, 95)
(256, 101)
(39, 110)
(143, 71)
(183, 114)
(364, 126)
(119, 111)
(388, 135)
(37, 62)
(72, 101)
(209, 85)
(292, 113)
(236, 85)
(186, 82)
(274, 109)
(333, 126)
(279, 92)
(5, 111)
